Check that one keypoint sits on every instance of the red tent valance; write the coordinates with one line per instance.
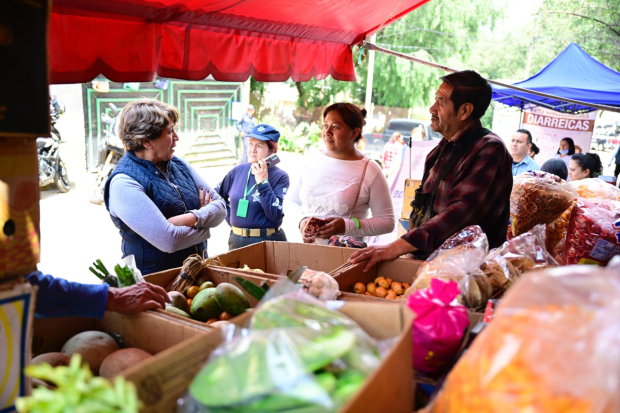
(272, 40)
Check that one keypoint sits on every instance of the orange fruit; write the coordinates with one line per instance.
(192, 291)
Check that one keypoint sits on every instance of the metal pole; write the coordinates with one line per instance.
(371, 46)
(369, 78)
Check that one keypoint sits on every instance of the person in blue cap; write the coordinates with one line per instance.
(254, 194)
(245, 125)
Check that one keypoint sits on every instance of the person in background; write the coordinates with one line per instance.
(391, 152)
(58, 297)
(330, 181)
(584, 165)
(474, 191)
(418, 134)
(566, 150)
(162, 207)
(520, 146)
(616, 157)
(254, 194)
(534, 150)
(361, 144)
(246, 125)
(578, 149)
(556, 167)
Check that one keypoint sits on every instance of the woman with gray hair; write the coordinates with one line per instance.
(162, 207)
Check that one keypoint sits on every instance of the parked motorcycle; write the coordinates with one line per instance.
(51, 168)
(111, 151)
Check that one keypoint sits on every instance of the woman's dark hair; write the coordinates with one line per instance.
(555, 166)
(469, 87)
(589, 161)
(350, 114)
(534, 149)
(571, 146)
(145, 119)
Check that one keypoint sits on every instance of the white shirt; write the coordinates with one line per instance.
(326, 187)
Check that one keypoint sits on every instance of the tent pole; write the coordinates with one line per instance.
(371, 46)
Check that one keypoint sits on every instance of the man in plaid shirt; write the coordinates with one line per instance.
(476, 191)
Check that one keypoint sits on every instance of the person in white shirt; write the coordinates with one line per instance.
(331, 179)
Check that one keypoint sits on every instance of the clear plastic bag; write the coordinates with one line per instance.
(556, 231)
(593, 235)
(537, 198)
(526, 252)
(596, 188)
(470, 237)
(297, 355)
(439, 326)
(553, 346)
(320, 284)
(461, 265)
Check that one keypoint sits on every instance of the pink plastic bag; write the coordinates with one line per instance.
(439, 326)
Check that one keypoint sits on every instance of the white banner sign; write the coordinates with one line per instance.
(412, 167)
(549, 127)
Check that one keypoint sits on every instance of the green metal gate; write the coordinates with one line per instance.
(203, 106)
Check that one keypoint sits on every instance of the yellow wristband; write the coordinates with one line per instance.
(357, 223)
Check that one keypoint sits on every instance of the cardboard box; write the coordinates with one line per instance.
(216, 275)
(388, 389)
(281, 258)
(17, 303)
(19, 207)
(401, 270)
(158, 335)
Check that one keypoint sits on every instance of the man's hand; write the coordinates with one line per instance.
(304, 238)
(334, 226)
(136, 298)
(381, 253)
(259, 170)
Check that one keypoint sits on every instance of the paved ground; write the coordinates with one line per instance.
(76, 232)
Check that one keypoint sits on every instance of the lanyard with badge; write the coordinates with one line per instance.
(242, 207)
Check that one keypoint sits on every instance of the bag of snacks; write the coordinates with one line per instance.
(461, 265)
(552, 347)
(526, 252)
(593, 235)
(438, 327)
(537, 198)
(470, 237)
(596, 188)
(556, 231)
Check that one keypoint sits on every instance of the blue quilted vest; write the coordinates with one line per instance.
(171, 201)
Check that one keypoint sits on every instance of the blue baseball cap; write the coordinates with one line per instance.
(264, 132)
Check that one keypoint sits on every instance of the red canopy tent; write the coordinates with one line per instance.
(272, 40)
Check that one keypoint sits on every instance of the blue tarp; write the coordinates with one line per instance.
(574, 74)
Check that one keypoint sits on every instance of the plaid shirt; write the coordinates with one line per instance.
(391, 152)
(475, 192)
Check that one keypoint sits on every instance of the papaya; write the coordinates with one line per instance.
(205, 305)
(174, 310)
(231, 299)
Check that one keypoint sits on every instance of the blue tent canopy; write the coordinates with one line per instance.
(575, 75)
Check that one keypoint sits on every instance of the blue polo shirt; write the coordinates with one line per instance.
(265, 200)
(527, 164)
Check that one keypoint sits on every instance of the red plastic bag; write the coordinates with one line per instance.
(593, 235)
(439, 326)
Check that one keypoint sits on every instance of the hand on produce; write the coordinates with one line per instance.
(139, 297)
(381, 253)
(334, 226)
(306, 239)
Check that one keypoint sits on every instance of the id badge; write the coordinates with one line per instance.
(242, 208)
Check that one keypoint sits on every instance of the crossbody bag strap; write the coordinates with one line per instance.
(359, 189)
